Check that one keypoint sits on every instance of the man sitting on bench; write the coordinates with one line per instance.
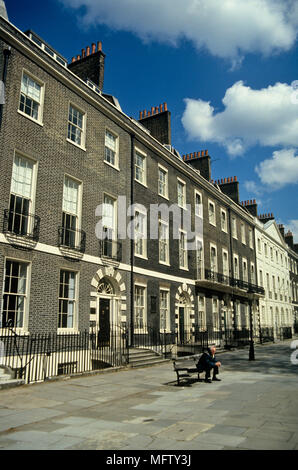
(207, 362)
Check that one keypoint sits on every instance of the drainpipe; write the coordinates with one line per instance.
(6, 54)
(232, 262)
(132, 139)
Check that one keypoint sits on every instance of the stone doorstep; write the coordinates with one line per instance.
(11, 383)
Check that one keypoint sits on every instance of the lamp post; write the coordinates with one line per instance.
(251, 356)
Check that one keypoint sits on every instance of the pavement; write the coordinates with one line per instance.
(254, 407)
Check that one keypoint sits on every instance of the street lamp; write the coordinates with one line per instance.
(251, 356)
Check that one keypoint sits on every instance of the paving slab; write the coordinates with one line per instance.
(255, 406)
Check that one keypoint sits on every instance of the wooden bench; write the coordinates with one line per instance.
(185, 367)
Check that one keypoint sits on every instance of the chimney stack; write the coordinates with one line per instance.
(90, 66)
(199, 161)
(289, 239)
(158, 122)
(251, 206)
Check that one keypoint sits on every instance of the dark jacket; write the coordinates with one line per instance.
(206, 361)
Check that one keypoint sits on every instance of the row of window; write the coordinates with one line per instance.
(236, 265)
(276, 288)
(277, 257)
(31, 105)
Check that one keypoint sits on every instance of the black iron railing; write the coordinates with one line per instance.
(111, 249)
(266, 334)
(73, 239)
(214, 276)
(37, 357)
(23, 225)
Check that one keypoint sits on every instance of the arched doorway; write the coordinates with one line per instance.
(184, 313)
(107, 306)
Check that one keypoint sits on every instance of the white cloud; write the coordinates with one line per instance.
(267, 117)
(226, 28)
(253, 188)
(293, 226)
(279, 170)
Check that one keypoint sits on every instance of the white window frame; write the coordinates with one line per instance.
(185, 251)
(225, 228)
(234, 228)
(24, 328)
(202, 320)
(80, 194)
(183, 183)
(199, 242)
(167, 328)
(82, 145)
(74, 328)
(215, 314)
(244, 263)
(250, 238)
(236, 274)
(144, 171)
(166, 243)
(42, 94)
(198, 207)
(115, 214)
(225, 252)
(215, 270)
(32, 198)
(243, 234)
(165, 171)
(211, 203)
(145, 306)
(144, 233)
(116, 137)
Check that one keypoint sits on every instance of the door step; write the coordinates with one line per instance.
(144, 358)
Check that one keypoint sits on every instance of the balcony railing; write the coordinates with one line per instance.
(22, 225)
(72, 239)
(232, 282)
(111, 249)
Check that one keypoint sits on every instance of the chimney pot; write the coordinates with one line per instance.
(160, 108)
(152, 110)
(93, 48)
(88, 50)
(235, 178)
(206, 153)
(141, 115)
(78, 57)
(73, 59)
(83, 53)
(156, 110)
(99, 45)
(165, 106)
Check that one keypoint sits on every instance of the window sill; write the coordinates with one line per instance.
(76, 145)
(212, 223)
(40, 123)
(112, 166)
(141, 257)
(141, 183)
(164, 263)
(164, 197)
(183, 269)
(61, 331)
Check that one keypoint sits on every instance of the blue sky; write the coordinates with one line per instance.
(194, 57)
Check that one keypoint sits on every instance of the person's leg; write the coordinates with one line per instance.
(215, 372)
(207, 375)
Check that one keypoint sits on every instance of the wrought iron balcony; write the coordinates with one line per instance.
(216, 277)
(72, 239)
(111, 249)
(21, 225)
(231, 282)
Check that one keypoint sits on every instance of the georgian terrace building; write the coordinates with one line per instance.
(67, 149)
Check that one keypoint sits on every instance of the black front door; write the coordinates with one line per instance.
(104, 322)
(181, 325)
